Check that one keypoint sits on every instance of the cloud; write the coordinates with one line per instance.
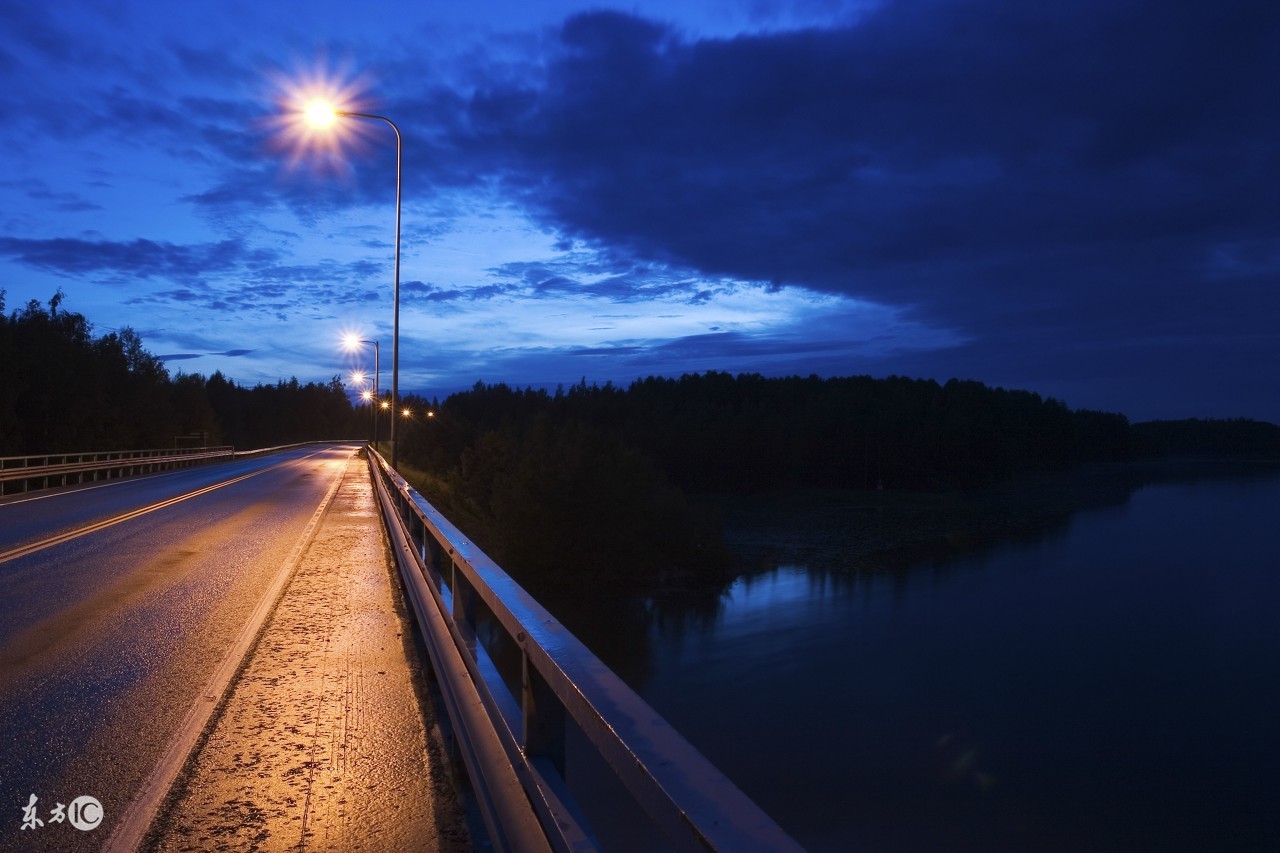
(983, 163)
(225, 276)
(183, 356)
(140, 258)
(63, 202)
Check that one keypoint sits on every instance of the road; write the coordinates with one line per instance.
(108, 639)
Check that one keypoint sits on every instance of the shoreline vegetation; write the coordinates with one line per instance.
(656, 492)
(856, 532)
(615, 507)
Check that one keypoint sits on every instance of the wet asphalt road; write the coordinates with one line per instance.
(107, 639)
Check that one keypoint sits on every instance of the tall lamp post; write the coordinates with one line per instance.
(320, 114)
(352, 342)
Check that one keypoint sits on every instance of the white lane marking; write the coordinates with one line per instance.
(119, 481)
(137, 818)
(31, 548)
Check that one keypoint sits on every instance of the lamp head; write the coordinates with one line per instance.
(321, 114)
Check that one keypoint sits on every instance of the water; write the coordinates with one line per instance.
(1112, 686)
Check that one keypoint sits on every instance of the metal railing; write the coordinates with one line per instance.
(560, 753)
(22, 473)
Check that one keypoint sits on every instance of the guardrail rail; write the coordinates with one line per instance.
(559, 752)
(23, 473)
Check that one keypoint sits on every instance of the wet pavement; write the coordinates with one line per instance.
(110, 640)
(324, 741)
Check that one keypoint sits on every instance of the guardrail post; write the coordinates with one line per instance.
(543, 716)
(464, 603)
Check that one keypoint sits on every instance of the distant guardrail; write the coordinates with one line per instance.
(43, 471)
(560, 753)
(23, 473)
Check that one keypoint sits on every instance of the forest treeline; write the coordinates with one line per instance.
(716, 432)
(64, 390)
(593, 480)
(569, 481)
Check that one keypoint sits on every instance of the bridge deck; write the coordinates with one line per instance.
(323, 741)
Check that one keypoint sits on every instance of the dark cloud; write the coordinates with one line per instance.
(227, 275)
(184, 356)
(421, 291)
(1071, 167)
(138, 258)
(63, 202)
(602, 277)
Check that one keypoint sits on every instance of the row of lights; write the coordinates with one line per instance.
(360, 378)
(322, 115)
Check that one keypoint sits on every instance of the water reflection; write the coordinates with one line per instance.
(1103, 685)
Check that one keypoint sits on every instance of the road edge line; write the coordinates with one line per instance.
(138, 817)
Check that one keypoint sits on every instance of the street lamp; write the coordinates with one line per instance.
(351, 342)
(321, 115)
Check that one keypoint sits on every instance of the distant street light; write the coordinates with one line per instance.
(351, 342)
(322, 115)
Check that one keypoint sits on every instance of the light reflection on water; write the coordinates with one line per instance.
(1109, 688)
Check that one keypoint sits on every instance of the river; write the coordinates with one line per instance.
(1113, 684)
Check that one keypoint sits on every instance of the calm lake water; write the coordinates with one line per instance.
(1114, 685)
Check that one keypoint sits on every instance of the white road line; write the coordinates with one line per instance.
(137, 819)
(24, 550)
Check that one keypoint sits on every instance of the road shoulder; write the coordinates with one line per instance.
(323, 742)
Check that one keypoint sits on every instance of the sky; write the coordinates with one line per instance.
(1079, 199)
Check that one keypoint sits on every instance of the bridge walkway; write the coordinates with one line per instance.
(324, 741)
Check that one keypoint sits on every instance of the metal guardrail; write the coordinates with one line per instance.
(560, 753)
(20, 473)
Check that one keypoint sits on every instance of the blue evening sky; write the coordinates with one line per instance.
(1074, 198)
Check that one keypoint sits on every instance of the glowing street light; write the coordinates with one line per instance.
(353, 342)
(320, 115)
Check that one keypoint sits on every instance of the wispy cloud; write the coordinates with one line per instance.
(141, 257)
